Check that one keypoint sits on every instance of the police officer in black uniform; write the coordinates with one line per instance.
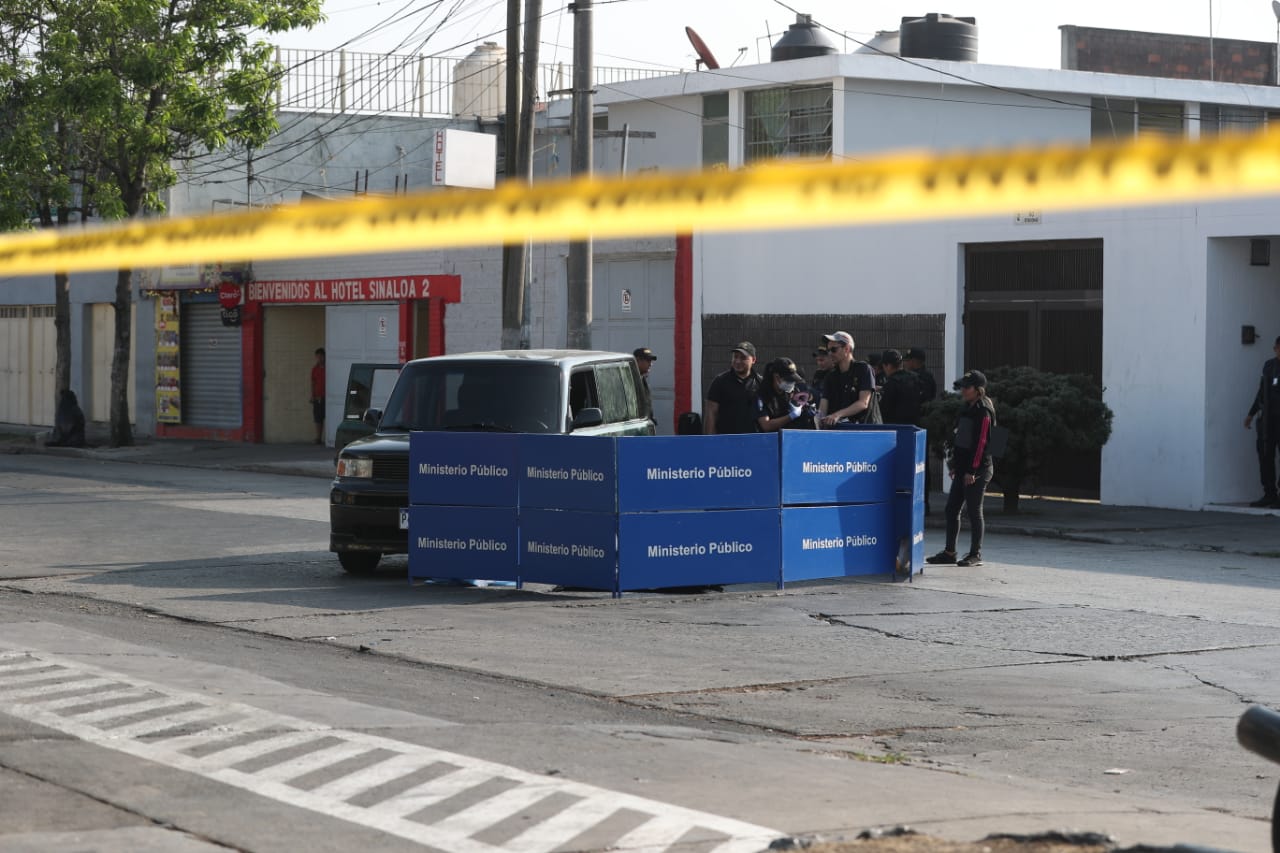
(1266, 408)
(644, 359)
(784, 402)
(731, 399)
(915, 362)
(971, 469)
(900, 396)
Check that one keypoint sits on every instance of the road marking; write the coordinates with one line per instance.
(300, 509)
(426, 795)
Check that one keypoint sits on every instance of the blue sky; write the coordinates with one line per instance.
(632, 32)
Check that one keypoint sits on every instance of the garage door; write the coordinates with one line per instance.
(28, 353)
(211, 382)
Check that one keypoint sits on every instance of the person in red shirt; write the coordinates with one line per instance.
(317, 394)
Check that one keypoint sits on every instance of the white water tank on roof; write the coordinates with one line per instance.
(480, 82)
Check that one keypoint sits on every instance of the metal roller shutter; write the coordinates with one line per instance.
(211, 381)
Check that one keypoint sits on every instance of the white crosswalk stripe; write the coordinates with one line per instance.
(354, 784)
(484, 814)
(426, 795)
(97, 697)
(46, 689)
(551, 833)
(430, 793)
(318, 760)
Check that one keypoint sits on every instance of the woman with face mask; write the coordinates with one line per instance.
(783, 401)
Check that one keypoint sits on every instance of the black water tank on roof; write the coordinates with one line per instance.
(940, 37)
(802, 39)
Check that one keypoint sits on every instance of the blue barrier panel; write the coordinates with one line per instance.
(697, 472)
(569, 472)
(837, 541)
(698, 548)
(908, 526)
(463, 542)
(909, 458)
(569, 548)
(463, 469)
(837, 467)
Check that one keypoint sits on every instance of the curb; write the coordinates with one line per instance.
(1063, 534)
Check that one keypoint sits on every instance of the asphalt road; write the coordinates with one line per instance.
(184, 666)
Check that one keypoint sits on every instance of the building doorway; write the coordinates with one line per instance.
(633, 306)
(1039, 304)
(290, 335)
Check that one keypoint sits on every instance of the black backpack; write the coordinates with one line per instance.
(689, 423)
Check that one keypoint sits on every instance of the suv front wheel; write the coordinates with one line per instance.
(359, 562)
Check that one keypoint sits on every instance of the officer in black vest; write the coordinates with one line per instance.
(644, 360)
(1266, 408)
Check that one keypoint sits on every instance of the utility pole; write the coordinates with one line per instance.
(513, 257)
(528, 98)
(582, 130)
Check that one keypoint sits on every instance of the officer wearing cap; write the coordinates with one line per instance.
(731, 399)
(644, 360)
(900, 396)
(971, 469)
(849, 393)
(914, 361)
(1266, 408)
(783, 403)
(821, 367)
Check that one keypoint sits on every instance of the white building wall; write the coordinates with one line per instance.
(882, 115)
(1154, 318)
(677, 123)
(1241, 295)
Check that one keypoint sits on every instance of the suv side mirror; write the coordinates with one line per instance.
(588, 418)
(372, 417)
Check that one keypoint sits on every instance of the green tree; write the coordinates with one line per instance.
(146, 82)
(42, 178)
(1045, 413)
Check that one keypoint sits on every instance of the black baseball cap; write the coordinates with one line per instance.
(746, 348)
(874, 359)
(891, 356)
(821, 350)
(645, 353)
(915, 352)
(785, 368)
(972, 379)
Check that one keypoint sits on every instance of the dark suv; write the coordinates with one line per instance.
(536, 391)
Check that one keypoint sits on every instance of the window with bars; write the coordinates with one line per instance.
(788, 122)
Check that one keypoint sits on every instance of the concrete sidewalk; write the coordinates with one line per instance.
(1252, 532)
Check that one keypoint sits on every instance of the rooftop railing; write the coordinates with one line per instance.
(344, 81)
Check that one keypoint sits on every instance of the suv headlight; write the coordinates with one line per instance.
(354, 466)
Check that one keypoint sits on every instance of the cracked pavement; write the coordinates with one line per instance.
(1056, 662)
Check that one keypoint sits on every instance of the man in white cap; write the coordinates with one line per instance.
(849, 390)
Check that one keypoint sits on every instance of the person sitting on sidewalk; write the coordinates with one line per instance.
(68, 422)
(971, 469)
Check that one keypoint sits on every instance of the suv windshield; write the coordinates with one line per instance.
(508, 395)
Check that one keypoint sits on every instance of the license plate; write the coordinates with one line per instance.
(404, 519)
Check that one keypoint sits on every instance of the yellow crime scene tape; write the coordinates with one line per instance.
(777, 194)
